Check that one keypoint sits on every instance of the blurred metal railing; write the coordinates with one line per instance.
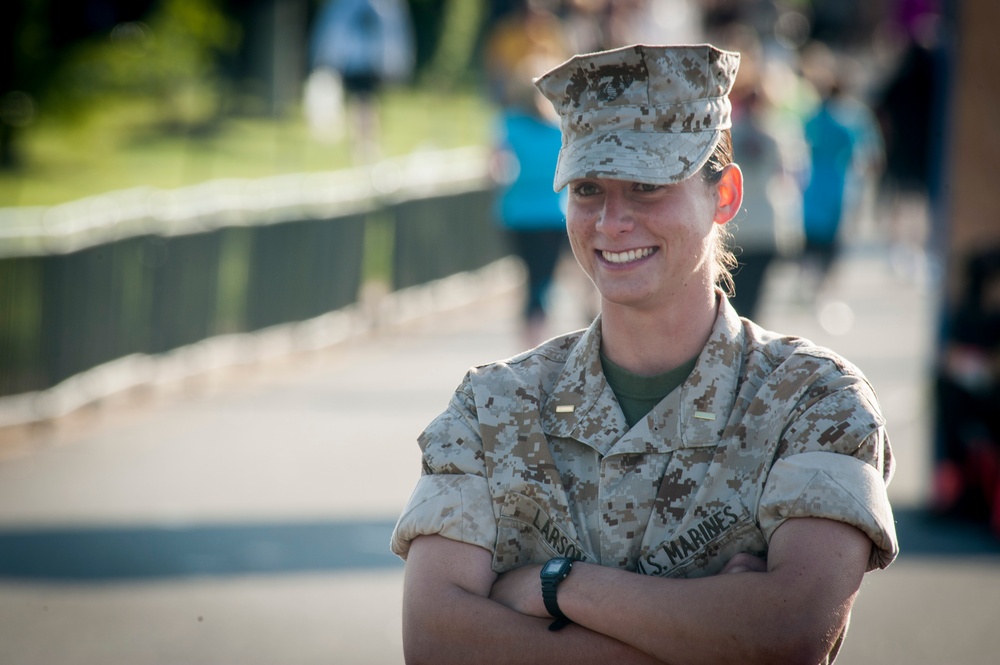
(94, 285)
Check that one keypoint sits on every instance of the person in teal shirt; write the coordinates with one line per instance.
(831, 148)
(534, 216)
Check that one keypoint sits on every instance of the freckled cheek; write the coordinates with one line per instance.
(581, 219)
(580, 250)
(579, 240)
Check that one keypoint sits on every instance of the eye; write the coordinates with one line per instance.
(584, 188)
(646, 188)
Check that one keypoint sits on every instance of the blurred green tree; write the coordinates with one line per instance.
(37, 38)
(169, 59)
(455, 53)
(186, 64)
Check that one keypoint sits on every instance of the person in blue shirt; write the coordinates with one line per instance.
(831, 149)
(528, 140)
(366, 44)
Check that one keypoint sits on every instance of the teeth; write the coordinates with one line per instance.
(625, 257)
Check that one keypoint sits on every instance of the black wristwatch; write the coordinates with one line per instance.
(553, 572)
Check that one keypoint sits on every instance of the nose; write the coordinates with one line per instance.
(615, 215)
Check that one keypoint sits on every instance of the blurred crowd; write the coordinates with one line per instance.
(837, 133)
(837, 114)
(832, 129)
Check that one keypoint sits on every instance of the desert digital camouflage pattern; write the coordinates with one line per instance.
(649, 114)
(533, 459)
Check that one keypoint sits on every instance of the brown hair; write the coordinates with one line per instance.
(711, 173)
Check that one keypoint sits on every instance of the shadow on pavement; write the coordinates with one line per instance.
(145, 552)
(148, 552)
(922, 533)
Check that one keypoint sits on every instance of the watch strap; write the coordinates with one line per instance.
(549, 597)
(559, 624)
(549, 586)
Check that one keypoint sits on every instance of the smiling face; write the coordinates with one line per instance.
(644, 245)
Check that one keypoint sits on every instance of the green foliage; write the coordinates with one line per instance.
(148, 104)
(454, 57)
(70, 160)
(171, 59)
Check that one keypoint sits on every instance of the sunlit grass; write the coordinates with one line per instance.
(121, 147)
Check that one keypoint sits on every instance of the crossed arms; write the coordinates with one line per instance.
(790, 609)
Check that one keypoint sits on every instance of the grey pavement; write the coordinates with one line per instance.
(242, 516)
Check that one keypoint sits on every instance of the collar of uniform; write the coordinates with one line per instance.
(582, 405)
(705, 400)
(694, 415)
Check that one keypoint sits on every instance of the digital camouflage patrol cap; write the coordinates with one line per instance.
(650, 114)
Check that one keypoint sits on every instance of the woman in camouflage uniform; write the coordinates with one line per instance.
(703, 489)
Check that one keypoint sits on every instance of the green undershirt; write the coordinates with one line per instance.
(637, 394)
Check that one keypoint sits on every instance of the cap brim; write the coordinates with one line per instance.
(658, 158)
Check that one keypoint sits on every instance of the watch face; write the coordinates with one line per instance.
(553, 567)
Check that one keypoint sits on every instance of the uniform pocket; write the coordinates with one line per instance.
(527, 533)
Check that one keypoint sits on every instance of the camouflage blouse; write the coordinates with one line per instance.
(533, 458)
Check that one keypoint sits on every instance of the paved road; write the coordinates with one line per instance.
(235, 518)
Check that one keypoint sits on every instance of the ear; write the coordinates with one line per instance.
(729, 194)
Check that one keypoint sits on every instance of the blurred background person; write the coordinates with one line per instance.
(770, 225)
(528, 30)
(652, 22)
(906, 107)
(831, 160)
(533, 215)
(592, 25)
(967, 399)
(527, 139)
(365, 44)
(584, 24)
(868, 162)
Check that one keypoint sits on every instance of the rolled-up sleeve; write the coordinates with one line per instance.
(831, 486)
(452, 497)
(454, 506)
(836, 463)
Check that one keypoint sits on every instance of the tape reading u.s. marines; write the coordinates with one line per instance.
(687, 544)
